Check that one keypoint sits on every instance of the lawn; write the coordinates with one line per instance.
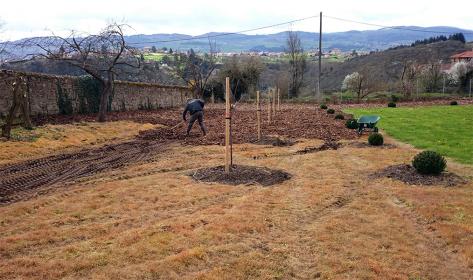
(445, 129)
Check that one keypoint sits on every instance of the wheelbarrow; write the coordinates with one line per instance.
(368, 122)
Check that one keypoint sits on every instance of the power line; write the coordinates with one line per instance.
(393, 27)
(226, 34)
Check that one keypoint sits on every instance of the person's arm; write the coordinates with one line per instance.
(185, 112)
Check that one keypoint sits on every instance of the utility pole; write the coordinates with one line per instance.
(319, 93)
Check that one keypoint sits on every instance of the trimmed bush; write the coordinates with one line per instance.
(351, 124)
(392, 105)
(429, 162)
(453, 103)
(323, 107)
(375, 139)
(339, 117)
(330, 111)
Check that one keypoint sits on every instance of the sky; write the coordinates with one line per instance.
(28, 18)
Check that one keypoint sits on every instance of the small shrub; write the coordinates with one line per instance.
(323, 107)
(351, 124)
(429, 162)
(339, 117)
(392, 105)
(330, 111)
(375, 139)
(453, 103)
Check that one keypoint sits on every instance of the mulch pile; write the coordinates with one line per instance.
(407, 174)
(241, 174)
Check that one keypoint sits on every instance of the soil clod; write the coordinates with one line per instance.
(241, 174)
(407, 174)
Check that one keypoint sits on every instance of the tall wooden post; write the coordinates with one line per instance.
(258, 115)
(279, 99)
(269, 107)
(273, 94)
(228, 118)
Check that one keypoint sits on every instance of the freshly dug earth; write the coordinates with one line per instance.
(241, 174)
(292, 122)
(407, 174)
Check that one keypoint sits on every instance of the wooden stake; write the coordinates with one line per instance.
(273, 93)
(279, 99)
(228, 117)
(269, 107)
(258, 115)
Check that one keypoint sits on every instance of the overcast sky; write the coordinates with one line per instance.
(40, 17)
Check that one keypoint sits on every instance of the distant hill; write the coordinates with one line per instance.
(386, 66)
(368, 40)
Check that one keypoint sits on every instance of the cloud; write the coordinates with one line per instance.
(37, 18)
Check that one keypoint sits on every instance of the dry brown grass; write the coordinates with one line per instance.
(48, 139)
(152, 221)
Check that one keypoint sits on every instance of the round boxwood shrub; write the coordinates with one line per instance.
(392, 105)
(330, 111)
(429, 162)
(351, 124)
(453, 103)
(375, 139)
(339, 117)
(323, 107)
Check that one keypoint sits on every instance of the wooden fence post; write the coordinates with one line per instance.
(227, 126)
(269, 107)
(279, 99)
(258, 115)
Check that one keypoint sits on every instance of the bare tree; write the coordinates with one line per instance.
(410, 73)
(431, 76)
(297, 63)
(360, 84)
(98, 55)
(196, 69)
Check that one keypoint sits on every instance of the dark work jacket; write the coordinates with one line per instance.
(193, 106)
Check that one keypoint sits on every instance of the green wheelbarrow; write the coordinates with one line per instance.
(368, 122)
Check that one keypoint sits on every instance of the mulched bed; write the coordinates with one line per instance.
(407, 174)
(241, 174)
(292, 122)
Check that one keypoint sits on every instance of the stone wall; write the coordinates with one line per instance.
(44, 91)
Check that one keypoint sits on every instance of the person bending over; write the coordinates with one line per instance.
(196, 109)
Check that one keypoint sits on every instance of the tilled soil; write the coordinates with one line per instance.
(22, 180)
(240, 174)
(407, 174)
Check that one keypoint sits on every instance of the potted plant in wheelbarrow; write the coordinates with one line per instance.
(368, 122)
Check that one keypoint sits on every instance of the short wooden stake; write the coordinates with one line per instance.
(269, 107)
(279, 99)
(258, 115)
(228, 118)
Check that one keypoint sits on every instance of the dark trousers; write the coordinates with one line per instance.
(199, 116)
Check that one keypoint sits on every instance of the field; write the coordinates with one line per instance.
(445, 129)
(148, 218)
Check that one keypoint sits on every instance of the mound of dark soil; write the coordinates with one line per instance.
(241, 174)
(407, 174)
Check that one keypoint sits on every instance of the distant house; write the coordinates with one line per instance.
(462, 57)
